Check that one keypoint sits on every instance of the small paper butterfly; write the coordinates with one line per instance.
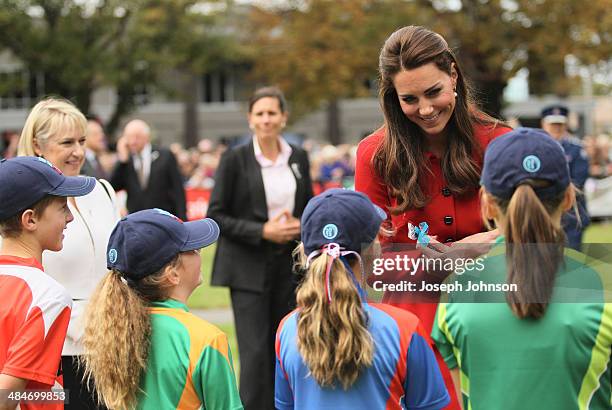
(419, 233)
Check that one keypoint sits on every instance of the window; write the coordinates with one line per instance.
(20, 89)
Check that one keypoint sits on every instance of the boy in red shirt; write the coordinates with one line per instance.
(35, 309)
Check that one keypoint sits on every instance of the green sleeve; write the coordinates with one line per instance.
(440, 334)
(214, 377)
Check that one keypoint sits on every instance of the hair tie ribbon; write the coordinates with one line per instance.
(334, 251)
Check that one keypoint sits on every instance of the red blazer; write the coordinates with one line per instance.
(449, 218)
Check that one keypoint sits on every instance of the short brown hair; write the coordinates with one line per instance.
(11, 226)
(273, 92)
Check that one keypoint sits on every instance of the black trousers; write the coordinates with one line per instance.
(80, 397)
(257, 315)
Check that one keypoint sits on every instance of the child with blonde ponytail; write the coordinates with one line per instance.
(143, 349)
(549, 345)
(336, 351)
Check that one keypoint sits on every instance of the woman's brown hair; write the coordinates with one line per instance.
(272, 92)
(399, 159)
(333, 338)
(535, 242)
(117, 335)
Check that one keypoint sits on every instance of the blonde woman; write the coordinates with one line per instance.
(56, 130)
(144, 349)
(336, 351)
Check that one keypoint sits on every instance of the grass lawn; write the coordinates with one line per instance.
(599, 233)
(229, 330)
(206, 296)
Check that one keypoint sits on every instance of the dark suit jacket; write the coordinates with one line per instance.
(238, 205)
(164, 189)
(92, 169)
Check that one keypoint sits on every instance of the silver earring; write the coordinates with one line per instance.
(455, 93)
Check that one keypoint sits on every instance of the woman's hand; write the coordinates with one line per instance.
(470, 247)
(478, 244)
(282, 228)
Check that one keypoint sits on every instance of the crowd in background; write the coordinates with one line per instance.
(330, 166)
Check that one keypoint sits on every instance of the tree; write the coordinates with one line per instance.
(496, 38)
(80, 46)
(321, 51)
(552, 30)
(74, 45)
(190, 38)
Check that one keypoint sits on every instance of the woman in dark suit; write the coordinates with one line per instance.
(261, 189)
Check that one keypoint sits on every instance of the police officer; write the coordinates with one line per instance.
(554, 121)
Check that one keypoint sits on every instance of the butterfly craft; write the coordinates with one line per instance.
(419, 233)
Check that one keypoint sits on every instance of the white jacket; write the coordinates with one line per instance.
(81, 263)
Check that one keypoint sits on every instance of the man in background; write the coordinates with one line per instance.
(148, 174)
(95, 146)
(554, 122)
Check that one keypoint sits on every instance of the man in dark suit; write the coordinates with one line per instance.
(95, 144)
(150, 175)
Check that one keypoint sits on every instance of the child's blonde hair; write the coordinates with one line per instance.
(333, 337)
(117, 334)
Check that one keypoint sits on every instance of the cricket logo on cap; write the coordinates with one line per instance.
(44, 161)
(531, 163)
(161, 211)
(112, 255)
(330, 231)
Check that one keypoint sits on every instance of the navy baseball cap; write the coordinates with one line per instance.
(340, 216)
(524, 153)
(26, 180)
(555, 114)
(144, 242)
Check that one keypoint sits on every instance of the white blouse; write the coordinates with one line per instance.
(278, 179)
(81, 263)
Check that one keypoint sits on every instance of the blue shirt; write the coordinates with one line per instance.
(404, 373)
(578, 163)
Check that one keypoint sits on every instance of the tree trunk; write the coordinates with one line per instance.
(544, 74)
(123, 105)
(190, 101)
(334, 135)
(82, 99)
(491, 96)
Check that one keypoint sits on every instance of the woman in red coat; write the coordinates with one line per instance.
(424, 164)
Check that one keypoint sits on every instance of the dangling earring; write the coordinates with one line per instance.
(455, 92)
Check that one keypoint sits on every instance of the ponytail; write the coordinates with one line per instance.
(534, 248)
(333, 338)
(117, 336)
